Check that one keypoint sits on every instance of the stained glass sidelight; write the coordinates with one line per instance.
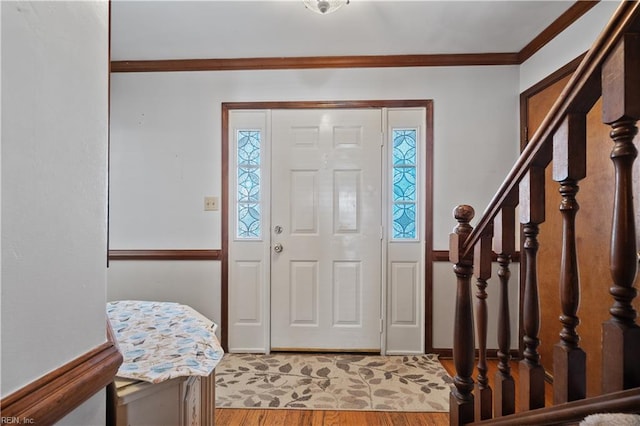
(248, 186)
(404, 203)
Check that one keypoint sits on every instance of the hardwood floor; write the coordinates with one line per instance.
(257, 417)
(227, 416)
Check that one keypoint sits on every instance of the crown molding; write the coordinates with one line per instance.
(571, 15)
(375, 61)
(315, 62)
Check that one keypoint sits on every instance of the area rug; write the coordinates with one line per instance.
(332, 382)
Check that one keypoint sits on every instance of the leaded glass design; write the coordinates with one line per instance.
(404, 184)
(404, 203)
(248, 186)
(404, 221)
(248, 220)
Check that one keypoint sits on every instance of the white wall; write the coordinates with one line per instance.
(165, 139)
(192, 282)
(54, 156)
(568, 45)
(165, 152)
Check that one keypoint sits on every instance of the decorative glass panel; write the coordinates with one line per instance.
(404, 184)
(248, 148)
(404, 147)
(248, 186)
(404, 202)
(404, 221)
(248, 220)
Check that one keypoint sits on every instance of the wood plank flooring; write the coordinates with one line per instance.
(226, 416)
(257, 417)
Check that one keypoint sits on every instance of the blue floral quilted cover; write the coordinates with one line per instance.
(163, 340)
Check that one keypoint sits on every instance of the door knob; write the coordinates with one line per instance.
(277, 248)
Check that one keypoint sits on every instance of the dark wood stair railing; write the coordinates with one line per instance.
(611, 71)
(461, 401)
(483, 255)
(621, 110)
(573, 412)
(532, 206)
(569, 167)
(505, 245)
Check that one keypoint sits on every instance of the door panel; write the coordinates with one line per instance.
(326, 201)
(304, 201)
(347, 293)
(304, 292)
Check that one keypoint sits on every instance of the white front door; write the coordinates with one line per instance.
(326, 229)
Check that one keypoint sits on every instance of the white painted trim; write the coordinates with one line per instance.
(384, 195)
(407, 339)
(266, 203)
(414, 342)
(255, 340)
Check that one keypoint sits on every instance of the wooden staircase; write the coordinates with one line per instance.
(609, 72)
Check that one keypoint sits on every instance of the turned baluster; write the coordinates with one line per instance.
(482, 269)
(531, 216)
(505, 246)
(621, 110)
(569, 167)
(461, 403)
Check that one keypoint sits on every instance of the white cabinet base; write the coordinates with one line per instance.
(183, 401)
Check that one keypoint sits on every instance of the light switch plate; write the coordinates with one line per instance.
(210, 204)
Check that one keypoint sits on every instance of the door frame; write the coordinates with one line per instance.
(227, 107)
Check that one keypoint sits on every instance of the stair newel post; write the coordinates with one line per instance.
(621, 110)
(505, 245)
(461, 402)
(482, 269)
(569, 167)
(532, 205)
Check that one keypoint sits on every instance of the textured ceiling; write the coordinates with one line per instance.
(146, 30)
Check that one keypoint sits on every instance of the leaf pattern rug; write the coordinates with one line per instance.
(332, 382)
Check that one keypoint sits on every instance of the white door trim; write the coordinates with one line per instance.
(261, 342)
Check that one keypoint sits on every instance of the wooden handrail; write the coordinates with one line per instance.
(627, 401)
(609, 71)
(579, 95)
